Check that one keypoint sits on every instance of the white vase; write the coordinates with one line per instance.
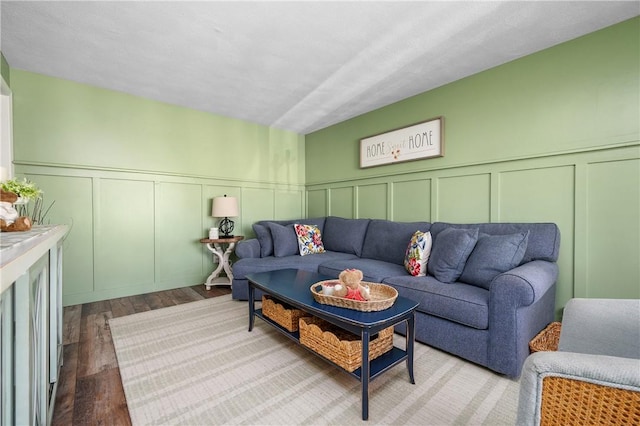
(21, 200)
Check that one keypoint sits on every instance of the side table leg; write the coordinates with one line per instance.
(365, 374)
(217, 253)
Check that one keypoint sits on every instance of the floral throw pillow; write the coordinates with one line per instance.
(309, 239)
(417, 255)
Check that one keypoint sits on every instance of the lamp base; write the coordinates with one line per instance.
(226, 228)
(222, 237)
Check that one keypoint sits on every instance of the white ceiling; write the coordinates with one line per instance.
(300, 66)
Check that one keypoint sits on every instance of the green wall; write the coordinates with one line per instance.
(135, 178)
(551, 137)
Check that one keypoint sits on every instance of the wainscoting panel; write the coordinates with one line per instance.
(411, 200)
(464, 199)
(289, 204)
(124, 236)
(178, 209)
(342, 202)
(372, 201)
(318, 199)
(257, 204)
(613, 255)
(544, 194)
(72, 205)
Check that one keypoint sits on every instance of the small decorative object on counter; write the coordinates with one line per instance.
(9, 219)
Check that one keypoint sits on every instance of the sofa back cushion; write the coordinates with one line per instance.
(265, 236)
(493, 255)
(285, 242)
(450, 251)
(388, 241)
(543, 242)
(344, 235)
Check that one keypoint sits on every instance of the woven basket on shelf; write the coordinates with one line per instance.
(281, 313)
(382, 297)
(340, 346)
(547, 339)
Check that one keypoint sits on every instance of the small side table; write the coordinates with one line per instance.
(216, 246)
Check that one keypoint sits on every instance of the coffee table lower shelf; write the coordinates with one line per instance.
(377, 366)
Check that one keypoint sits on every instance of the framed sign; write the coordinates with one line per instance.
(422, 140)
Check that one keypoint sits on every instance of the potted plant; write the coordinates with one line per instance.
(24, 189)
(27, 191)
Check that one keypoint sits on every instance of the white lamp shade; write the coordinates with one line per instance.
(225, 207)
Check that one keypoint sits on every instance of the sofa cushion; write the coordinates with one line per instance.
(449, 253)
(309, 239)
(543, 243)
(374, 270)
(344, 235)
(493, 255)
(263, 233)
(284, 238)
(243, 267)
(461, 303)
(417, 255)
(264, 237)
(387, 240)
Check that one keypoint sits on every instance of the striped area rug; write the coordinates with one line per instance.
(196, 364)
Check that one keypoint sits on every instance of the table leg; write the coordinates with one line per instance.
(217, 252)
(252, 307)
(225, 260)
(410, 345)
(365, 374)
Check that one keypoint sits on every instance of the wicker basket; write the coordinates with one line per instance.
(547, 339)
(281, 313)
(382, 297)
(340, 346)
(568, 401)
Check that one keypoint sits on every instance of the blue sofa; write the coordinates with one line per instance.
(502, 295)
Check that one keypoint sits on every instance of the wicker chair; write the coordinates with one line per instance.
(594, 377)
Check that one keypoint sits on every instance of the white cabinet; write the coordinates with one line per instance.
(30, 323)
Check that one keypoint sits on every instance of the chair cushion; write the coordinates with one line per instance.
(449, 253)
(493, 255)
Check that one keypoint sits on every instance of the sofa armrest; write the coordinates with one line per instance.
(548, 378)
(524, 285)
(521, 303)
(248, 248)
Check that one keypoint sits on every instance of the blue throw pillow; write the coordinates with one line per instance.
(493, 255)
(285, 242)
(451, 248)
(264, 237)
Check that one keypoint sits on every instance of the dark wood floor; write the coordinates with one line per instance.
(90, 390)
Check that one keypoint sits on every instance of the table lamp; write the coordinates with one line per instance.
(225, 207)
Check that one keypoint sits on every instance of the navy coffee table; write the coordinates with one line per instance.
(292, 286)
